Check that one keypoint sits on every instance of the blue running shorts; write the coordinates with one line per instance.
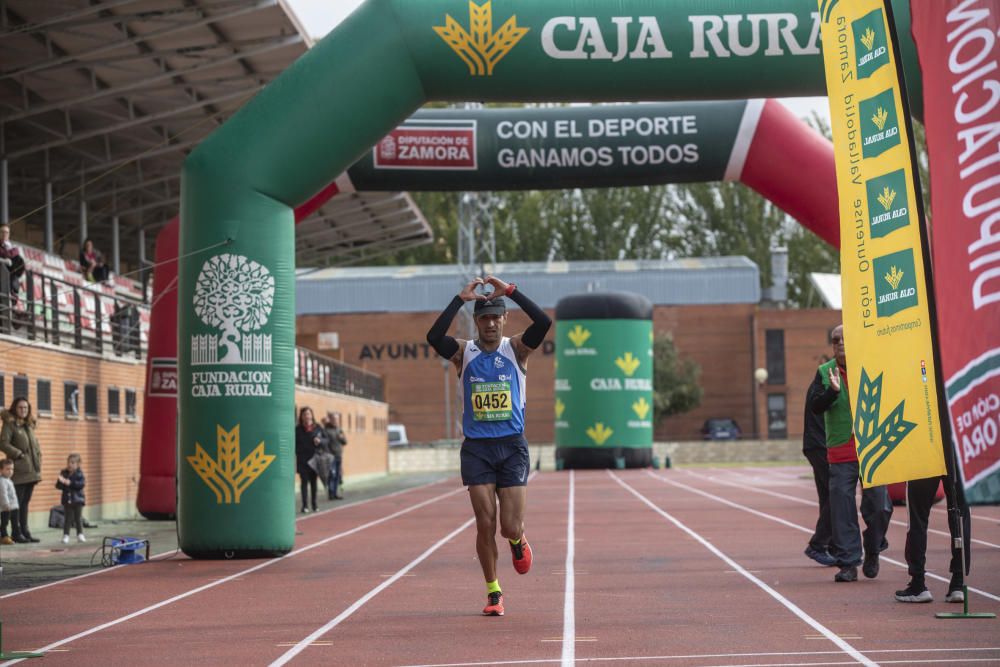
(501, 461)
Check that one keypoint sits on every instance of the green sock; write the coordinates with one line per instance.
(515, 542)
(493, 586)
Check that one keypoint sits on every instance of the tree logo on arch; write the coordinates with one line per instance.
(235, 295)
(482, 49)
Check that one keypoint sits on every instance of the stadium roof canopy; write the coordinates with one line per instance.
(709, 280)
(104, 99)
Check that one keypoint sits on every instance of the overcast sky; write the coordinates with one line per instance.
(321, 16)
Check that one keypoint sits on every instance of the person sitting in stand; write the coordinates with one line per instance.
(92, 263)
(11, 257)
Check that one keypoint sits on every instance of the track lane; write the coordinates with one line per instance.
(434, 615)
(132, 599)
(985, 559)
(710, 591)
(867, 608)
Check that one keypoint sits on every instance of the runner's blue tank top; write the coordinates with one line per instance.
(493, 388)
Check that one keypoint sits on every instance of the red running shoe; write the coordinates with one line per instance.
(521, 555)
(494, 604)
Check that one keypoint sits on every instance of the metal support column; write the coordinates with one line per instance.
(49, 225)
(83, 222)
(115, 247)
(4, 208)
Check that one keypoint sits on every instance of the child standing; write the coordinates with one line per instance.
(8, 505)
(71, 483)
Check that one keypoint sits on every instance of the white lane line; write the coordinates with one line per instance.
(812, 503)
(569, 600)
(788, 604)
(808, 531)
(173, 552)
(790, 654)
(217, 582)
(302, 645)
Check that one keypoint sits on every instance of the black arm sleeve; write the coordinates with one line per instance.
(821, 400)
(444, 344)
(540, 322)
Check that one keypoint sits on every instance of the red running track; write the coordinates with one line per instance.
(691, 567)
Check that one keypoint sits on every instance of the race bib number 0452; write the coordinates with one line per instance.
(491, 401)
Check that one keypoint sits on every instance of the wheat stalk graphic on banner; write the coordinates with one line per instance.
(868, 38)
(881, 115)
(894, 276)
(482, 49)
(876, 439)
(886, 197)
(226, 475)
(599, 433)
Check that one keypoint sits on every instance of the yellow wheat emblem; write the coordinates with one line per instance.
(886, 197)
(227, 475)
(560, 408)
(641, 408)
(599, 433)
(880, 117)
(627, 363)
(894, 276)
(868, 39)
(578, 335)
(482, 49)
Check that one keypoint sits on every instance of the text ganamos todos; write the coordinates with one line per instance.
(603, 156)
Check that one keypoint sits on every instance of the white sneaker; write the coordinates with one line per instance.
(65, 539)
(80, 537)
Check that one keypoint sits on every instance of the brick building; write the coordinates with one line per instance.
(376, 318)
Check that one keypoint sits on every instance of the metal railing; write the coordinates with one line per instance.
(320, 372)
(43, 308)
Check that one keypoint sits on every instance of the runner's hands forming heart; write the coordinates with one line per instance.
(470, 293)
(499, 287)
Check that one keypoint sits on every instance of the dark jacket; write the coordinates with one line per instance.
(72, 493)
(337, 440)
(814, 432)
(305, 448)
(18, 442)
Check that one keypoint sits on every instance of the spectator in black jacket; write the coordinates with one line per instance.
(71, 483)
(310, 439)
(814, 448)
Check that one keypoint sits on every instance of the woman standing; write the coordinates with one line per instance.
(19, 443)
(310, 440)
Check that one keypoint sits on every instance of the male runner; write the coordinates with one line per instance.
(494, 454)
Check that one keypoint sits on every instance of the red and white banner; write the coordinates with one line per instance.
(959, 52)
(416, 145)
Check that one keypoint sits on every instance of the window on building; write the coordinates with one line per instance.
(114, 404)
(90, 400)
(777, 416)
(130, 412)
(20, 386)
(71, 399)
(774, 351)
(3, 396)
(43, 399)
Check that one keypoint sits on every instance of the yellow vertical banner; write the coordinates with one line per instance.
(887, 297)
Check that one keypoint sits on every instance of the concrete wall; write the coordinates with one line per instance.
(444, 456)
(109, 446)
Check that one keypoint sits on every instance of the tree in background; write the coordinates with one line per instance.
(675, 380)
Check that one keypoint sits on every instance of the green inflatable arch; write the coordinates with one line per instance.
(236, 328)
